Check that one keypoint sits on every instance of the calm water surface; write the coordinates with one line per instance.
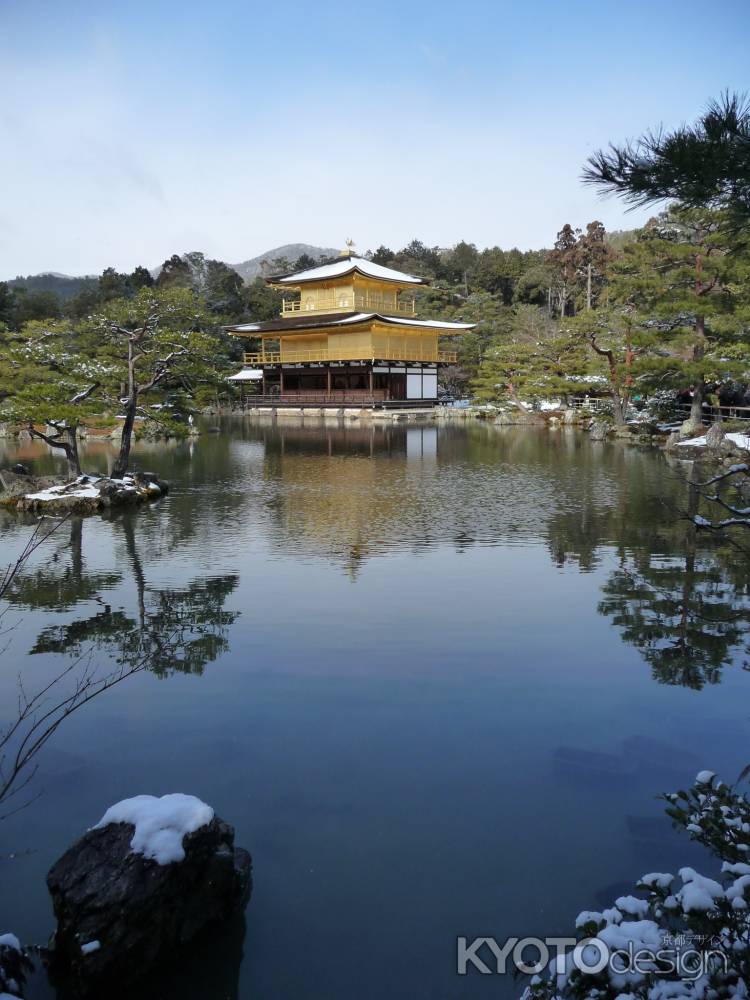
(435, 677)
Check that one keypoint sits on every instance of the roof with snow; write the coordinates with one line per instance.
(245, 375)
(347, 265)
(340, 319)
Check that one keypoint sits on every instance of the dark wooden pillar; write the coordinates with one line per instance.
(328, 385)
(263, 384)
(371, 382)
(281, 381)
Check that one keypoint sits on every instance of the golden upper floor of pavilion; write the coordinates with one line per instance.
(349, 284)
(348, 310)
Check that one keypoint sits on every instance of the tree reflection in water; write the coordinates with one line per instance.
(687, 612)
(174, 629)
(680, 597)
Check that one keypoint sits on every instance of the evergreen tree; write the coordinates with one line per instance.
(593, 256)
(224, 289)
(7, 307)
(538, 362)
(83, 304)
(31, 306)
(260, 301)
(113, 285)
(175, 273)
(463, 257)
(705, 165)
(383, 255)
(682, 277)
(161, 339)
(49, 386)
(563, 262)
(617, 340)
(141, 277)
(304, 262)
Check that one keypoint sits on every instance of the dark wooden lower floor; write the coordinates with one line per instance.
(344, 384)
(323, 399)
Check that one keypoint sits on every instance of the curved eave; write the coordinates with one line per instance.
(336, 320)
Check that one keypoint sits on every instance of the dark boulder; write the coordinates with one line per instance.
(122, 916)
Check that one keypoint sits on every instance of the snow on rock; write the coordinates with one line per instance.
(142, 884)
(10, 941)
(160, 823)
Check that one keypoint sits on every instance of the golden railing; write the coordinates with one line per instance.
(323, 354)
(325, 302)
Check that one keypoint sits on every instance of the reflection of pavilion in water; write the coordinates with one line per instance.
(346, 492)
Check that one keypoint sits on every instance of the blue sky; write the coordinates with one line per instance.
(129, 131)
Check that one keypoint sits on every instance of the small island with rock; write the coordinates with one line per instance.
(83, 495)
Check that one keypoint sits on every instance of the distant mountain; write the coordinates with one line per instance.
(63, 285)
(250, 269)
(66, 286)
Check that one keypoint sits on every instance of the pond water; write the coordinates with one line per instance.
(435, 676)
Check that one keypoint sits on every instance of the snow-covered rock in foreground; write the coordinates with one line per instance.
(141, 884)
(160, 824)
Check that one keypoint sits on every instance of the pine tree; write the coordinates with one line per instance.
(705, 165)
(49, 386)
(538, 362)
(617, 340)
(593, 257)
(563, 260)
(690, 289)
(160, 339)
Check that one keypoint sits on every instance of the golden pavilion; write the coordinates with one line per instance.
(348, 334)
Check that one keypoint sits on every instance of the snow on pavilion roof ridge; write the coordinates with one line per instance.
(345, 265)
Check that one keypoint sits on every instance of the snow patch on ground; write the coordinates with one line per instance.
(737, 438)
(160, 823)
(85, 487)
(90, 946)
(10, 941)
